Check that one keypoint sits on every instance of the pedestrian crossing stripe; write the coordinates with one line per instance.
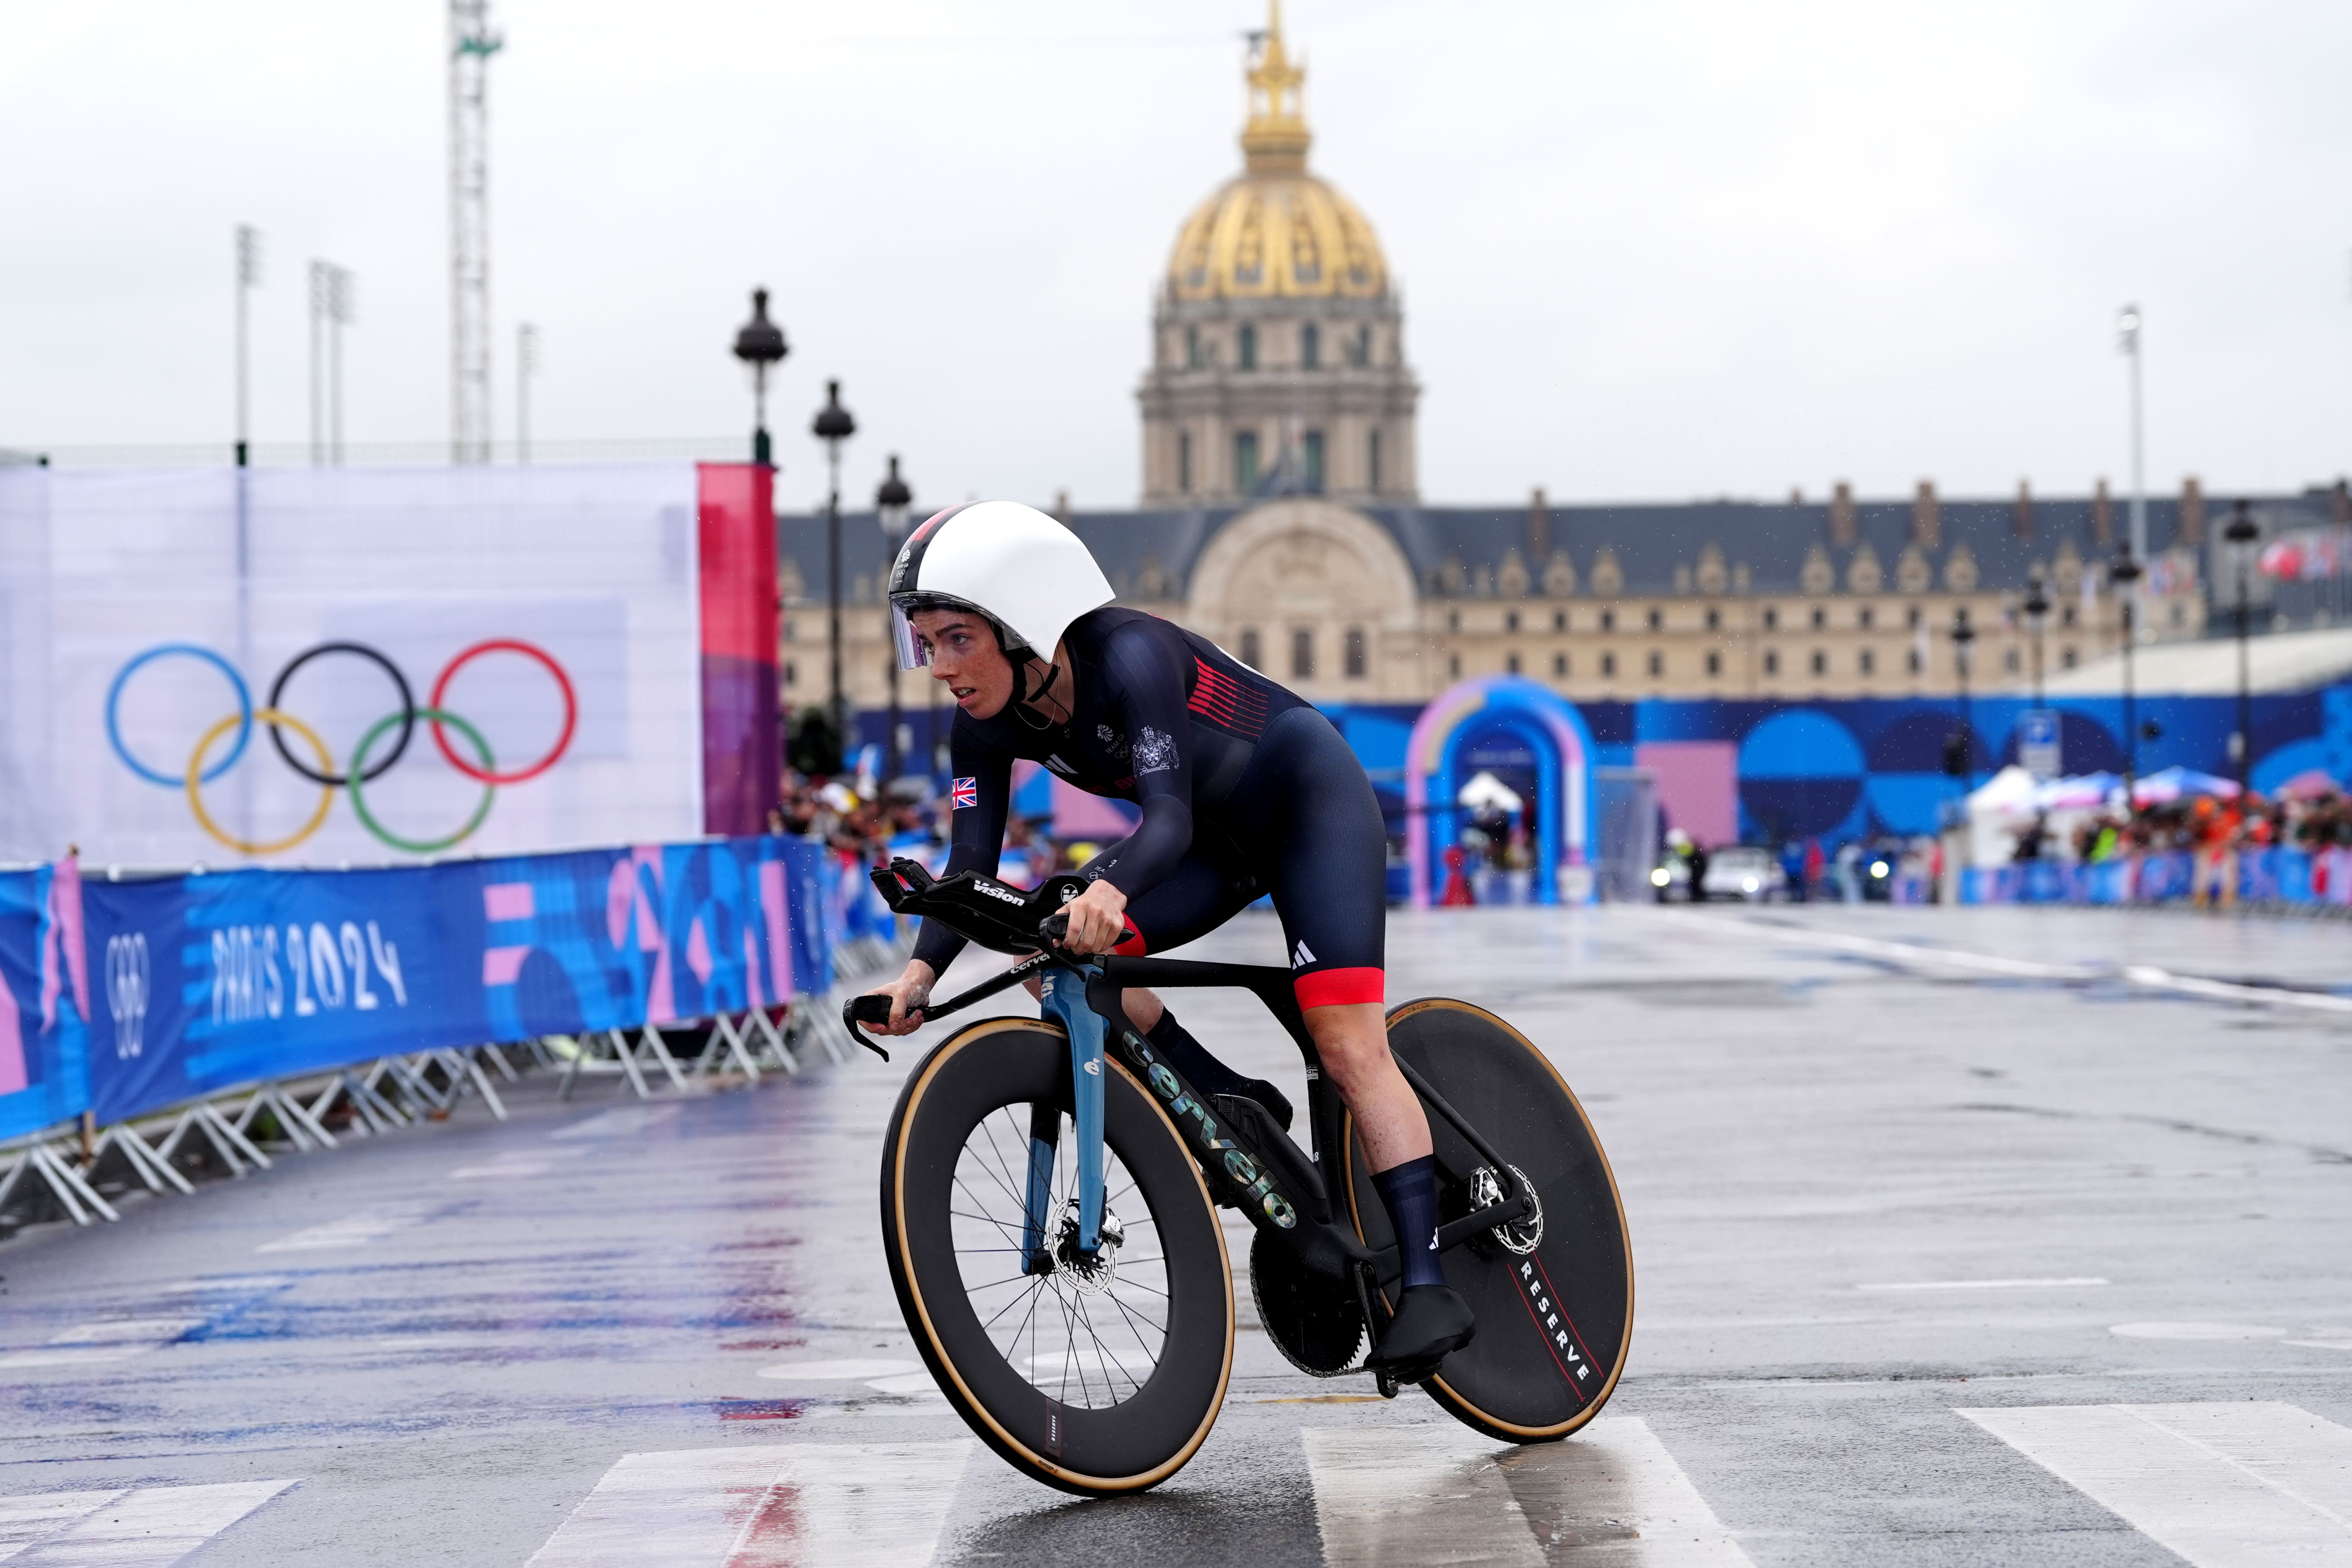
(2240, 1484)
(133, 1527)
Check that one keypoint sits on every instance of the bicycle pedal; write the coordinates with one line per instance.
(1386, 1382)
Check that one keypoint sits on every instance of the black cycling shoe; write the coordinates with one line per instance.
(1266, 1095)
(1431, 1323)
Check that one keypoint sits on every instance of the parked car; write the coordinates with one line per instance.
(1745, 872)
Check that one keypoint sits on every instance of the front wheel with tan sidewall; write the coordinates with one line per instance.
(1094, 1375)
(1555, 1306)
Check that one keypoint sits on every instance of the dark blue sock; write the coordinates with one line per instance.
(1204, 1072)
(1409, 1193)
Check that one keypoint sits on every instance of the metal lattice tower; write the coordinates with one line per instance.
(471, 45)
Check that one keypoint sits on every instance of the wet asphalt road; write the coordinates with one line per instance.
(448, 1337)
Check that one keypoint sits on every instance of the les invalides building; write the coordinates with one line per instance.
(1281, 514)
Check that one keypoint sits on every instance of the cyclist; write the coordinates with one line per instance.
(1245, 790)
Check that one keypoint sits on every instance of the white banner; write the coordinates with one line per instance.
(548, 613)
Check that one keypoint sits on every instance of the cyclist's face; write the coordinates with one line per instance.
(965, 656)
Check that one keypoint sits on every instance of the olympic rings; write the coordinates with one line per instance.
(408, 719)
(196, 776)
(407, 714)
(362, 771)
(114, 699)
(563, 742)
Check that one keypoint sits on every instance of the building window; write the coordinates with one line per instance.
(1657, 618)
(1302, 654)
(1608, 665)
(1360, 352)
(1453, 620)
(1356, 653)
(1560, 665)
(1248, 346)
(1912, 619)
(1821, 661)
(2009, 661)
(2065, 659)
(1608, 620)
(1714, 619)
(1192, 348)
(2065, 616)
(1714, 663)
(1250, 648)
(1864, 661)
(1771, 617)
(1372, 461)
(1511, 621)
(1862, 617)
(1244, 460)
(1657, 665)
(1821, 618)
(1184, 462)
(1310, 347)
(1559, 620)
(1511, 663)
(1314, 454)
(1771, 661)
(1454, 664)
(792, 676)
(1916, 662)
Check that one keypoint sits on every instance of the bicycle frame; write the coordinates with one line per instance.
(1285, 1192)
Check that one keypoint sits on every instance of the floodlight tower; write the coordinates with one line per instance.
(471, 44)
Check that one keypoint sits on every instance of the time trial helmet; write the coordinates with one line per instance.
(1028, 575)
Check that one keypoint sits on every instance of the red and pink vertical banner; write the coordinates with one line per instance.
(742, 741)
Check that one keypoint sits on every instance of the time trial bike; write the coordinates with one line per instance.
(1049, 1189)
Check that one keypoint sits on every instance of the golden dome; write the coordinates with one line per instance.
(1276, 231)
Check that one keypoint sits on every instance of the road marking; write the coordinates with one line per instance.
(1986, 1284)
(786, 1505)
(617, 1122)
(145, 1527)
(828, 1371)
(1440, 1493)
(2196, 1332)
(2240, 1484)
(352, 1230)
(87, 1345)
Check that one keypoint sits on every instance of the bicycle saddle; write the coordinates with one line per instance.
(992, 913)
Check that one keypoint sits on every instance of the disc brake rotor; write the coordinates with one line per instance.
(1520, 1236)
(1091, 1273)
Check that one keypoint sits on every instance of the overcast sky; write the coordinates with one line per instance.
(1649, 248)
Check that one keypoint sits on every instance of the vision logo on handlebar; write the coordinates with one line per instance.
(1001, 894)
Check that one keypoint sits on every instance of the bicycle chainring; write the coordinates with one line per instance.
(1313, 1321)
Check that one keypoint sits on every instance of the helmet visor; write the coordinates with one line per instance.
(914, 653)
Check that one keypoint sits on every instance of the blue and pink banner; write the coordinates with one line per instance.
(205, 980)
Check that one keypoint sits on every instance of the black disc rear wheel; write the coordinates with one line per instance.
(1554, 1309)
(1093, 1375)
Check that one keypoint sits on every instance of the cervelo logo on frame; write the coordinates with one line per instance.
(361, 772)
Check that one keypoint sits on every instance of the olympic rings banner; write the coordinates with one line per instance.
(215, 980)
(339, 665)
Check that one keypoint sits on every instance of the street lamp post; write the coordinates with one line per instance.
(832, 425)
(760, 344)
(2241, 534)
(2127, 326)
(1963, 742)
(2037, 615)
(2124, 575)
(248, 275)
(892, 502)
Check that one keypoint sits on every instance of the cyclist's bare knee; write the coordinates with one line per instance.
(1143, 1008)
(1035, 988)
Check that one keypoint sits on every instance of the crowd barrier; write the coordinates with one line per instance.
(2270, 875)
(142, 1017)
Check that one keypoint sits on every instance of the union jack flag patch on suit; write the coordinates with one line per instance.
(964, 792)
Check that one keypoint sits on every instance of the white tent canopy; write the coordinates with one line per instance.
(1486, 792)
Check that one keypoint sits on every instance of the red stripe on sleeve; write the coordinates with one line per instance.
(1339, 987)
(1131, 944)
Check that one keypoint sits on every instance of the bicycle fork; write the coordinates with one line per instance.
(1062, 993)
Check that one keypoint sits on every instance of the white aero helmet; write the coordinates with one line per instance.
(1012, 564)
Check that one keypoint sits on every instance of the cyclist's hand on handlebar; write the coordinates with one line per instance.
(910, 994)
(1095, 918)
